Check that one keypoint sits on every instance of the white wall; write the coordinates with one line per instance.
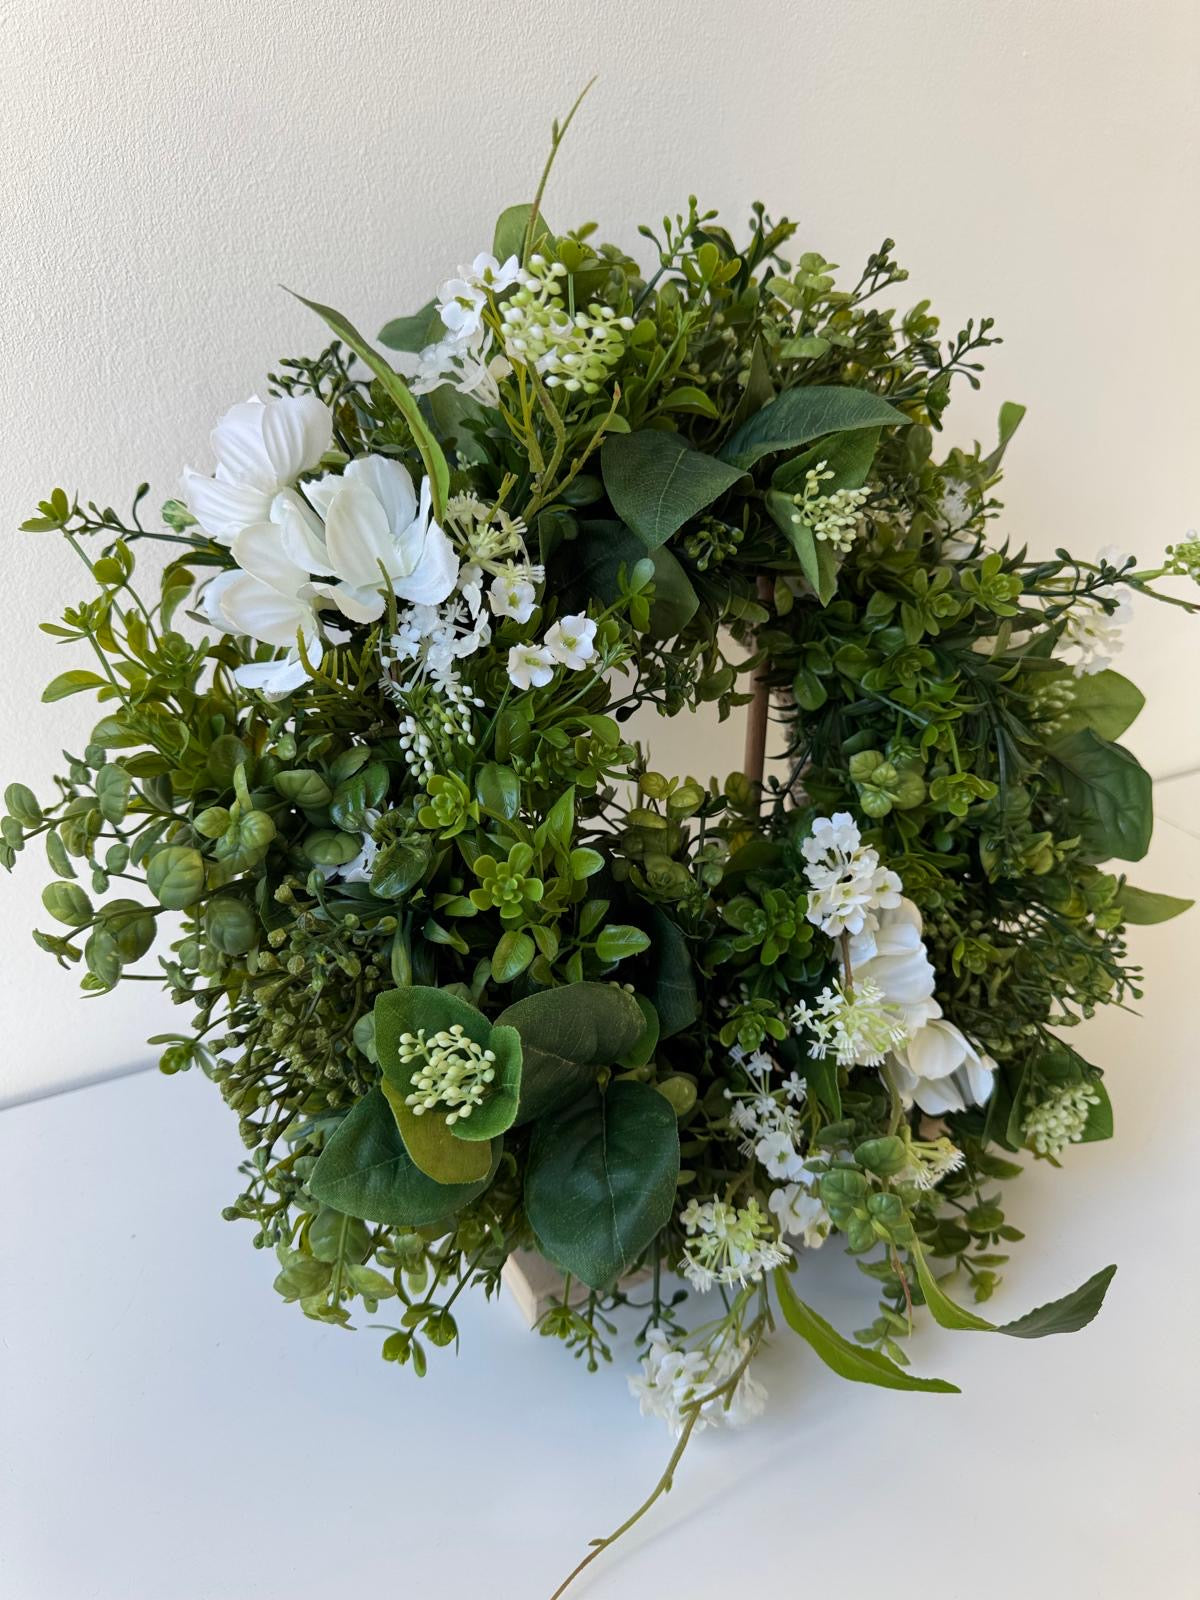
(168, 163)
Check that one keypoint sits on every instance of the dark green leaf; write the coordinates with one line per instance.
(1108, 793)
(415, 332)
(566, 1033)
(671, 984)
(601, 1180)
(366, 1171)
(798, 416)
(656, 482)
(1067, 1315)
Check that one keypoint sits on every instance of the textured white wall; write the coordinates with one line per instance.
(167, 165)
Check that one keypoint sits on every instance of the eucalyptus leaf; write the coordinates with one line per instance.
(601, 1180)
(657, 482)
(798, 416)
(365, 1170)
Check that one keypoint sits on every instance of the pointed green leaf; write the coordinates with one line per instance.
(428, 447)
(1066, 1315)
(601, 1180)
(566, 1033)
(798, 416)
(1142, 907)
(1108, 793)
(848, 1360)
(1103, 701)
(656, 482)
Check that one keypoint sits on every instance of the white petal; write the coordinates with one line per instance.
(391, 485)
(936, 1050)
(211, 602)
(256, 609)
(224, 509)
(237, 442)
(319, 492)
(274, 679)
(296, 432)
(260, 549)
(430, 562)
(359, 605)
(358, 537)
(937, 1098)
(302, 531)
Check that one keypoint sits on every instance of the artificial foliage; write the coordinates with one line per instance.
(474, 974)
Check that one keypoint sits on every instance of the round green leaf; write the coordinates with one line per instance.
(175, 876)
(132, 926)
(67, 902)
(230, 925)
(303, 788)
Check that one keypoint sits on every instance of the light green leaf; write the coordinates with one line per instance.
(303, 788)
(601, 1178)
(1142, 907)
(847, 1359)
(71, 683)
(511, 228)
(798, 416)
(415, 332)
(113, 788)
(1104, 701)
(618, 940)
(513, 953)
(22, 804)
(1108, 793)
(1066, 1315)
(175, 876)
(365, 1171)
(67, 902)
(656, 482)
(428, 447)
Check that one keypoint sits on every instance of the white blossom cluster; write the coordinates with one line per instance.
(674, 1379)
(728, 1244)
(834, 518)
(1060, 1120)
(849, 886)
(768, 1119)
(856, 1024)
(1091, 634)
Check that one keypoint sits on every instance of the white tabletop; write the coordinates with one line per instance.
(173, 1431)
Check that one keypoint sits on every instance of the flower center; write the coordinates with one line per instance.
(455, 1071)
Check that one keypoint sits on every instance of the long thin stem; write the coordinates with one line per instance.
(557, 134)
(663, 1486)
(755, 757)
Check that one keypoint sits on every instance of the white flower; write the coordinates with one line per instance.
(893, 956)
(360, 867)
(779, 1155)
(800, 1214)
(376, 529)
(728, 1244)
(940, 1070)
(849, 885)
(857, 1024)
(673, 1379)
(530, 666)
(512, 593)
(572, 641)
(1091, 634)
(261, 447)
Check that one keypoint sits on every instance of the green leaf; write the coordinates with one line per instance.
(398, 391)
(656, 482)
(132, 926)
(818, 559)
(1103, 701)
(690, 399)
(1099, 1124)
(848, 1360)
(1108, 793)
(498, 790)
(848, 456)
(415, 332)
(103, 958)
(175, 876)
(303, 788)
(601, 1179)
(618, 940)
(72, 683)
(22, 804)
(365, 1171)
(113, 788)
(429, 1140)
(513, 953)
(67, 902)
(511, 227)
(566, 1033)
(800, 415)
(1066, 1315)
(1142, 907)
(590, 568)
(671, 984)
